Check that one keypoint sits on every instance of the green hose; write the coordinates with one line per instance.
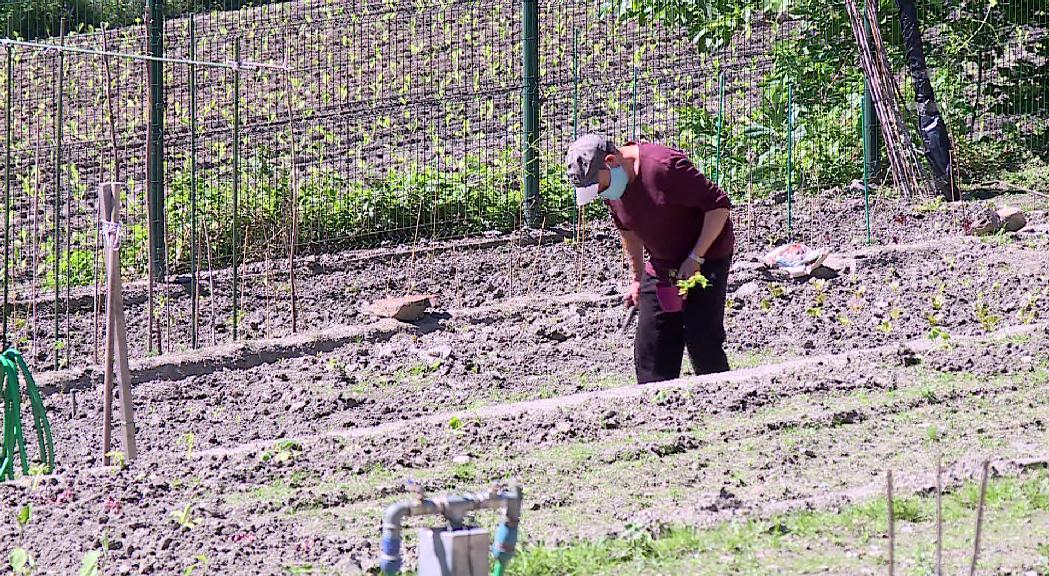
(40, 421)
(13, 445)
(500, 567)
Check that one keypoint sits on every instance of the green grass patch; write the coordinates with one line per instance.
(753, 359)
(852, 538)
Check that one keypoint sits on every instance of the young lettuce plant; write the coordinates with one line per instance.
(697, 279)
(20, 560)
(184, 517)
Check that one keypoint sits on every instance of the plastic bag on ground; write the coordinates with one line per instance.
(795, 259)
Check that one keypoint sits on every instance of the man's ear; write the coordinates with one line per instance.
(612, 161)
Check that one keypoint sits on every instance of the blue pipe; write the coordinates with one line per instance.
(454, 509)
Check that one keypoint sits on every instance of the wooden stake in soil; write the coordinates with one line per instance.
(415, 247)
(514, 236)
(114, 170)
(36, 235)
(211, 285)
(979, 517)
(580, 241)
(538, 256)
(892, 524)
(116, 327)
(939, 515)
(294, 233)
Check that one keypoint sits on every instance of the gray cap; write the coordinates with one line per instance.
(586, 157)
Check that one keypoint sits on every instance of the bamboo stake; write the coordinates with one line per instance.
(939, 515)
(293, 242)
(458, 280)
(114, 171)
(580, 241)
(415, 247)
(979, 518)
(876, 70)
(908, 143)
(538, 256)
(892, 524)
(510, 255)
(36, 241)
(211, 285)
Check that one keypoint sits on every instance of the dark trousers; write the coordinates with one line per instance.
(662, 337)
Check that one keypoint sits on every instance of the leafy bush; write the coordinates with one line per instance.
(33, 19)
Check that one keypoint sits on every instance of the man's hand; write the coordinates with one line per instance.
(687, 269)
(633, 294)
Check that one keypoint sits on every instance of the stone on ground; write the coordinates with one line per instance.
(984, 221)
(404, 308)
(1012, 218)
(833, 267)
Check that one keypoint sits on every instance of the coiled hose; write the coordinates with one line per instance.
(12, 446)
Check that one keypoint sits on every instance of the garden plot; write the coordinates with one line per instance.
(334, 289)
(757, 444)
(275, 463)
(530, 347)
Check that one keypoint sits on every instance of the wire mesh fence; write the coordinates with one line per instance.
(309, 126)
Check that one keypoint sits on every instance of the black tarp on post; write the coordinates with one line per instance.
(933, 129)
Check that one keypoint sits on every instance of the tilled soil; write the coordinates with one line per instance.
(335, 289)
(699, 452)
(436, 401)
(534, 347)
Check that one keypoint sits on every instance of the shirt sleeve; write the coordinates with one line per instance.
(682, 184)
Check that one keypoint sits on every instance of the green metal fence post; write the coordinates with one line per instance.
(866, 166)
(872, 132)
(236, 181)
(155, 149)
(7, 186)
(530, 72)
(59, 121)
(195, 294)
(790, 160)
(721, 111)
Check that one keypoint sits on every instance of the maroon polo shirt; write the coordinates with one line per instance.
(665, 205)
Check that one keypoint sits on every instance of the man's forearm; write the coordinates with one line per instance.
(634, 251)
(713, 223)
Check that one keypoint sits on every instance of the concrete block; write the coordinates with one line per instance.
(444, 552)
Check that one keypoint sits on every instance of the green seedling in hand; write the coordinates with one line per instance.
(697, 279)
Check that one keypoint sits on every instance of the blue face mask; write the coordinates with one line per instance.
(617, 184)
